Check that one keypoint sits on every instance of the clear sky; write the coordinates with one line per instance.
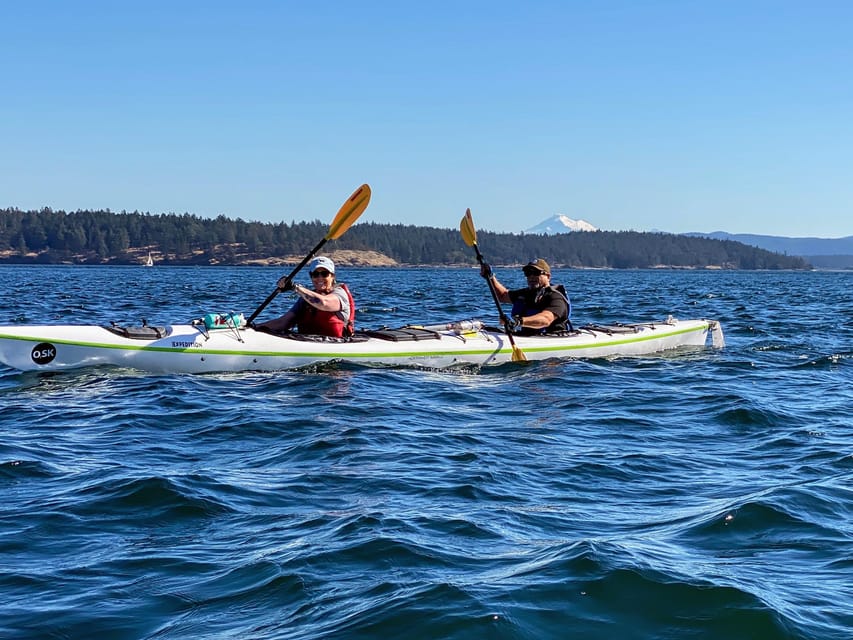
(733, 115)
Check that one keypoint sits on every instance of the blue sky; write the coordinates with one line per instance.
(646, 115)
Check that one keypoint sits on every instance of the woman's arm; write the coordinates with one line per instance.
(321, 301)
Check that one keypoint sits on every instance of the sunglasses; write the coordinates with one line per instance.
(320, 274)
(533, 272)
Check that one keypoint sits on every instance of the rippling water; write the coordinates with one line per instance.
(687, 495)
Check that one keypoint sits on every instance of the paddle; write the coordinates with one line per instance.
(346, 216)
(469, 235)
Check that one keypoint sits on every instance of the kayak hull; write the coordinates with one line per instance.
(192, 348)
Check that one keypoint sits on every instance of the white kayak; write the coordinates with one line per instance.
(200, 347)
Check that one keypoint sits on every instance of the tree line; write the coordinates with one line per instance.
(106, 237)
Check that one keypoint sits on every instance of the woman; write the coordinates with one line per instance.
(327, 309)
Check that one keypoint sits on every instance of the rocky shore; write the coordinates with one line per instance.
(342, 257)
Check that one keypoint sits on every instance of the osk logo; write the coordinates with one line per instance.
(43, 353)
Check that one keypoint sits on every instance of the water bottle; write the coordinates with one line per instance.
(224, 321)
(465, 326)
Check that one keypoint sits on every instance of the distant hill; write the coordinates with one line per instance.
(825, 253)
(104, 237)
(559, 223)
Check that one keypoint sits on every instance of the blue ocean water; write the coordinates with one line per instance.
(685, 495)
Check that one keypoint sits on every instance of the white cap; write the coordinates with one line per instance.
(322, 261)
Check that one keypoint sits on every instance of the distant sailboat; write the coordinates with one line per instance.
(150, 261)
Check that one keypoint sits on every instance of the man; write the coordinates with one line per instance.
(327, 309)
(539, 308)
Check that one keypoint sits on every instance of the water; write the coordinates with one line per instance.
(687, 495)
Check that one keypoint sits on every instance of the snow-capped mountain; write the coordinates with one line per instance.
(559, 223)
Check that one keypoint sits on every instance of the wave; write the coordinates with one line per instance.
(152, 499)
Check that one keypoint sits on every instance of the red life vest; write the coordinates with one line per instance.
(326, 323)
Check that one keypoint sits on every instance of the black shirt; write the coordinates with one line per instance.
(527, 302)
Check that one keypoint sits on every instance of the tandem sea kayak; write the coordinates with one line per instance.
(204, 346)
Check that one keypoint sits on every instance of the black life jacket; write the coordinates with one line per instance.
(521, 307)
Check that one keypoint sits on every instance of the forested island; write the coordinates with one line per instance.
(106, 237)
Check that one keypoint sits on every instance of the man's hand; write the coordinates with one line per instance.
(285, 284)
(514, 323)
(486, 270)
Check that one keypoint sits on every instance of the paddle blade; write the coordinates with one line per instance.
(518, 354)
(466, 226)
(349, 212)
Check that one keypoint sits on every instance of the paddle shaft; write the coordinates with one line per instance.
(504, 320)
(469, 235)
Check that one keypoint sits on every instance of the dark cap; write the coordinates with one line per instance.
(537, 266)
